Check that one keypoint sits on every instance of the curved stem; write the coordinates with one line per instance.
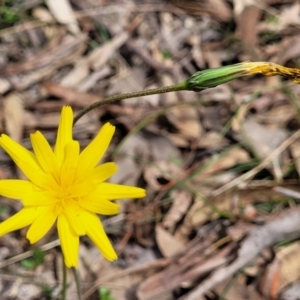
(172, 88)
(77, 281)
(64, 282)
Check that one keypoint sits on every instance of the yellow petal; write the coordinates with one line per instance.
(17, 151)
(41, 225)
(111, 191)
(21, 219)
(39, 198)
(100, 206)
(69, 241)
(73, 215)
(103, 172)
(64, 133)
(24, 159)
(96, 233)
(69, 166)
(15, 188)
(92, 154)
(43, 152)
(82, 189)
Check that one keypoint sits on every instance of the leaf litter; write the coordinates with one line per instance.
(221, 167)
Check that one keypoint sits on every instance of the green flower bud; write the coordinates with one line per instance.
(212, 77)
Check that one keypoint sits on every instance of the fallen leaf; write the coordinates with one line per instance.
(264, 141)
(76, 75)
(167, 244)
(285, 226)
(4, 85)
(187, 120)
(160, 173)
(63, 13)
(220, 163)
(247, 27)
(283, 271)
(182, 200)
(100, 55)
(13, 115)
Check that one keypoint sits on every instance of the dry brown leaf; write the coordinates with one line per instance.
(178, 140)
(161, 170)
(4, 85)
(187, 121)
(135, 148)
(246, 27)
(139, 148)
(71, 96)
(283, 271)
(13, 116)
(226, 161)
(167, 243)
(197, 52)
(42, 14)
(182, 200)
(90, 81)
(63, 13)
(264, 141)
(212, 140)
(100, 55)
(197, 215)
(213, 58)
(162, 149)
(278, 116)
(77, 74)
(285, 226)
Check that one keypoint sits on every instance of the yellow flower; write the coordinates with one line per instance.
(66, 186)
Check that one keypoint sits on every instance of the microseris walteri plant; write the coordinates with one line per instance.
(64, 186)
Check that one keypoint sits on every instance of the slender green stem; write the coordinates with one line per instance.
(77, 281)
(64, 282)
(172, 88)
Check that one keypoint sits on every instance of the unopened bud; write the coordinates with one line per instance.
(212, 77)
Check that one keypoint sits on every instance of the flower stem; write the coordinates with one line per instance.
(206, 79)
(64, 282)
(172, 88)
(77, 281)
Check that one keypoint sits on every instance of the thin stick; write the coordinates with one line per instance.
(28, 254)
